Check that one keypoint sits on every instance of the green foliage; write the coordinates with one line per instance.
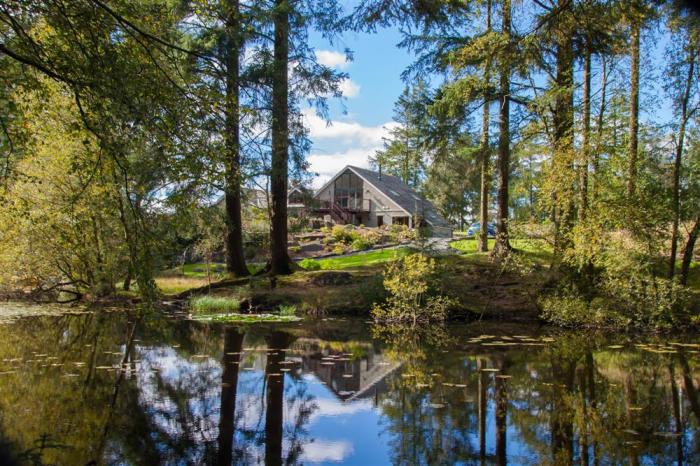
(214, 303)
(621, 299)
(409, 281)
(310, 264)
(361, 243)
(403, 152)
(344, 234)
(60, 225)
(400, 233)
(287, 310)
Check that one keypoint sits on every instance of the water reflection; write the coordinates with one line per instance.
(113, 389)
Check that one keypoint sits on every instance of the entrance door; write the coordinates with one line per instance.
(380, 221)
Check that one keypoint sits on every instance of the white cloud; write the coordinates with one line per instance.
(349, 88)
(334, 408)
(324, 451)
(327, 165)
(341, 143)
(348, 132)
(332, 59)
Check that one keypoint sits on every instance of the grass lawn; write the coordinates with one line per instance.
(176, 285)
(362, 259)
(179, 279)
(535, 249)
(199, 270)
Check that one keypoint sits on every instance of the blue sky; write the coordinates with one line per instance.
(364, 117)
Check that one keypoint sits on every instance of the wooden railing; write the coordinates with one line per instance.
(353, 205)
(339, 214)
(343, 214)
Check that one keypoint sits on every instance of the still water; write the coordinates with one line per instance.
(108, 388)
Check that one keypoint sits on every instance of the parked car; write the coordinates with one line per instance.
(475, 228)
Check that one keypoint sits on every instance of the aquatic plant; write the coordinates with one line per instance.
(214, 303)
(245, 318)
(287, 310)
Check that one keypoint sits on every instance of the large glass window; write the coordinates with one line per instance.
(348, 191)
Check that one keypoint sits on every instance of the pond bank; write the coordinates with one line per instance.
(482, 290)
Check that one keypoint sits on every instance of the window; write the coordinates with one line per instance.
(348, 191)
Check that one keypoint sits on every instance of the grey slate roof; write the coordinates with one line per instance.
(400, 193)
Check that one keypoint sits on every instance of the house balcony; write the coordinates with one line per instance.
(352, 205)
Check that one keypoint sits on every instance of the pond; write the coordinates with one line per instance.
(108, 388)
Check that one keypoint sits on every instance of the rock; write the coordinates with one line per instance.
(311, 247)
(265, 302)
(331, 278)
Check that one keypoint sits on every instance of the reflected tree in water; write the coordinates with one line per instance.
(233, 345)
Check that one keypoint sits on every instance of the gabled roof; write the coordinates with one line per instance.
(398, 192)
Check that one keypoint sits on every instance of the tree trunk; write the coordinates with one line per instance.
(563, 158)
(235, 261)
(502, 246)
(501, 413)
(483, 403)
(601, 117)
(485, 153)
(233, 343)
(677, 417)
(689, 249)
(280, 262)
(634, 108)
(562, 413)
(677, 164)
(274, 398)
(127, 280)
(585, 156)
(590, 377)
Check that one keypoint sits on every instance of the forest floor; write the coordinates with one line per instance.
(352, 284)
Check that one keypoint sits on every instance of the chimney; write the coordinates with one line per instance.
(380, 171)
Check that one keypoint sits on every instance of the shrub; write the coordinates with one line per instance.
(633, 299)
(401, 233)
(411, 299)
(310, 264)
(295, 249)
(362, 243)
(287, 310)
(214, 303)
(339, 249)
(342, 234)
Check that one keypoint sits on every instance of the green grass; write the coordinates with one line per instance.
(535, 249)
(176, 285)
(364, 259)
(246, 318)
(199, 270)
(468, 246)
(214, 303)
